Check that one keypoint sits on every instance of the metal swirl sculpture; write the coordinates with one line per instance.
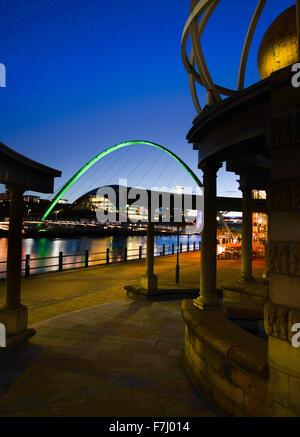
(194, 28)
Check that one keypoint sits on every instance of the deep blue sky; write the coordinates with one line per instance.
(86, 74)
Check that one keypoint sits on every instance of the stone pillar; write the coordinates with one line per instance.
(208, 300)
(14, 315)
(246, 262)
(149, 280)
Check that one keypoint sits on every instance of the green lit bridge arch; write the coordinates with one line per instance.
(101, 155)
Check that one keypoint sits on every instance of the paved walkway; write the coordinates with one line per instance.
(97, 353)
(57, 293)
(115, 360)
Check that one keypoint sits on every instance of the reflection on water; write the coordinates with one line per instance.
(44, 251)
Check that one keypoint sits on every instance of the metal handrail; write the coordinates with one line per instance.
(87, 260)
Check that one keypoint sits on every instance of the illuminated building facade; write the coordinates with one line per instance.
(260, 225)
(165, 211)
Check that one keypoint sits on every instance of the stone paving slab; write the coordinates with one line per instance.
(97, 353)
(118, 359)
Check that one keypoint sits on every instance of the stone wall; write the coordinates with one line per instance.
(226, 363)
(253, 292)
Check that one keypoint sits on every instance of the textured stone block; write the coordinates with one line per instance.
(280, 195)
(255, 408)
(252, 357)
(284, 289)
(234, 393)
(295, 194)
(281, 411)
(197, 361)
(276, 320)
(285, 226)
(225, 404)
(249, 383)
(284, 357)
(15, 320)
(215, 360)
(294, 395)
(278, 386)
(293, 318)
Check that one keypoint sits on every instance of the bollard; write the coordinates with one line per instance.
(173, 249)
(107, 256)
(86, 259)
(125, 254)
(140, 252)
(27, 266)
(180, 247)
(177, 274)
(164, 250)
(60, 261)
(194, 246)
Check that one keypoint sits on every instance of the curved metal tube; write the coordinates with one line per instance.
(189, 64)
(195, 30)
(244, 57)
(196, 33)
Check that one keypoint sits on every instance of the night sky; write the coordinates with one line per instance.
(83, 75)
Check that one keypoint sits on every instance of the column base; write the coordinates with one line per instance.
(16, 341)
(246, 279)
(206, 303)
(15, 320)
(149, 283)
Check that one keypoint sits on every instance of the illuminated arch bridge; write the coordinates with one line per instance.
(106, 152)
(119, 203)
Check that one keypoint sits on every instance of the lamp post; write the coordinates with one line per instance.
(177, 263)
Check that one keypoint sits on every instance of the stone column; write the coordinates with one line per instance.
(246, 267)
(207, 300)
(149, 280)
(14, 315)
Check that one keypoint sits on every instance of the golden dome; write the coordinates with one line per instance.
(279, 47)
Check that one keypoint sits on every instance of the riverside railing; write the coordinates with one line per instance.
(88, 258)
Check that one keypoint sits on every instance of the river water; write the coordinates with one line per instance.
(44, 251)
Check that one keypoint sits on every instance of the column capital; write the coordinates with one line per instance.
(247, 191)
(250, 181)
(210, 166)
(279, 320)
(15, 189)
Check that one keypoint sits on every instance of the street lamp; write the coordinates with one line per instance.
(177, 263)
